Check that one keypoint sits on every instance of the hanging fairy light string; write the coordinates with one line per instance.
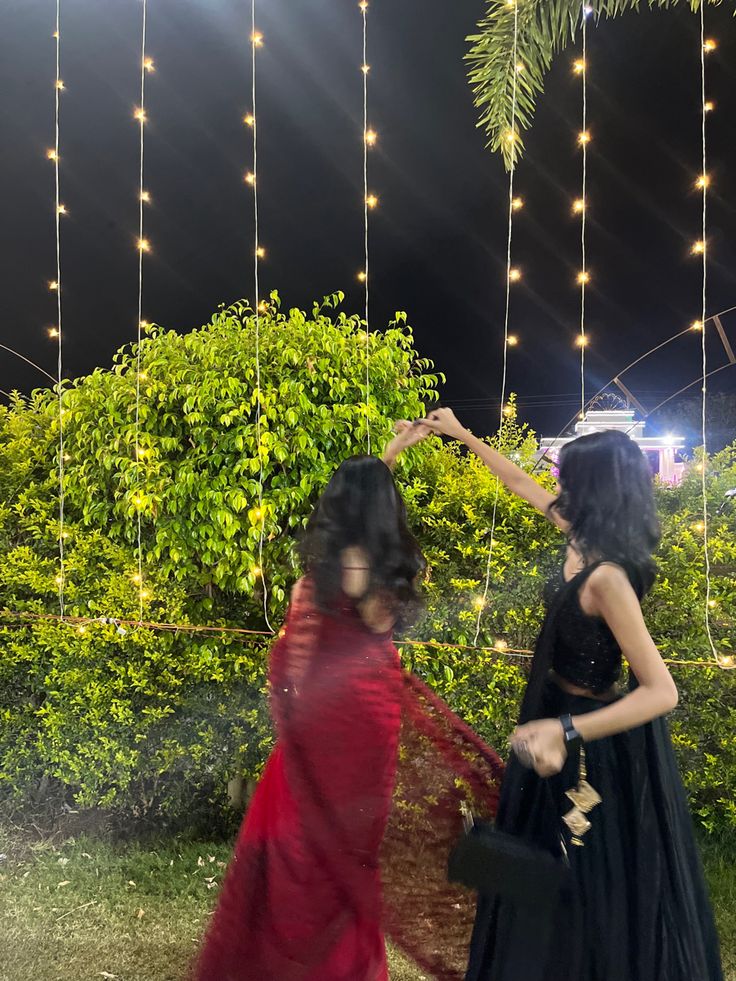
(146, 66)
(706, 46)
(55, 285)
(370, 201)
(259, 253)
(581, 205)
(512, 276)
(81, 624)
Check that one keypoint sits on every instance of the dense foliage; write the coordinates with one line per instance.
(154, 723)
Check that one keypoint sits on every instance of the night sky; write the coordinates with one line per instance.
(438, 237)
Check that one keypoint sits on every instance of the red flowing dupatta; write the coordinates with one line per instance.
(349, 830)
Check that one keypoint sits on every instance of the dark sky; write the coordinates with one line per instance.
(438, 238)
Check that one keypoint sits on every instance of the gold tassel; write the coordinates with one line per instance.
(584, 798)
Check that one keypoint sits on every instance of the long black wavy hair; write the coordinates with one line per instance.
(606, 496)
(361, 507)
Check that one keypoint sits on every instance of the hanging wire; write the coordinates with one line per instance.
(512, 136)
(142, 247)
(59, 210)
(583, 221)
(704, 389)
(260, 573)
(364, 11)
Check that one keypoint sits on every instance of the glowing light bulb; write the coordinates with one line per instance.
(512, 340)
(517, 204)
(144, 325)
(712, 604)
(137, 578)
(60, 85)
(510, 136)
(698, 526)
(261, 252)
(372, 201)
(148, 65)
(726, 660)
(579, 66)
(363, 5)
(578, 206)
(138, 501)
(514, 275)
(479, 602)
(144, 245)
(709, 45)
(365, 69)
(709, 106)
(61, 210)
(698, 247)
(703, 181)
(263, 307)
(145, 197)
(699, 467)
(501, 645)
(249, 119)
(362, 276)
(256, 570)
(520, 67)
(370, 137)
(583, 277)
(696, 325)
(508, 410)
(581, 340)
(144, 594)
(140, 115)
(81, 629)
(59, 580)
(52, 155)
(56, 35)
(584, 137)
(53, 285)
(52, 332)
(257, 39)
(250, 179)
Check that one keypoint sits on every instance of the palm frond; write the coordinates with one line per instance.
(545, 27)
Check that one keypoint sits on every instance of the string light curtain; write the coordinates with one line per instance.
(707, 45)
(55, 285)
(146, 66)
(260, 307)
(581, 205)
(512, 276)
(370, 201)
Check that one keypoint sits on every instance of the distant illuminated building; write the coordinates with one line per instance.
(663, 452)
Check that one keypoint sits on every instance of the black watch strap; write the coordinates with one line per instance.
(571, 735)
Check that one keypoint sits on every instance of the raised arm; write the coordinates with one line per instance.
(518, 481)
(406, 434)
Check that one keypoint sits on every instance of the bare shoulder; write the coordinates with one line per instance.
(608, 583)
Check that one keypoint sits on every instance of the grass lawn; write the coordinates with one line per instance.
(85, 910)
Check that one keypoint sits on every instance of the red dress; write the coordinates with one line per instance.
(304, 898)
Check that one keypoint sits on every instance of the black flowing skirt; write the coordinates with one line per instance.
(637, 908)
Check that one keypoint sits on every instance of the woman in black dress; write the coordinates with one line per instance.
(636, 908)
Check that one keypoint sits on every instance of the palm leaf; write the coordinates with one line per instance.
(545, 27)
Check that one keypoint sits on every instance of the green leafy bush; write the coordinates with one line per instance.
(154, 724)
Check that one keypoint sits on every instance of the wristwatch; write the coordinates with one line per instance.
(572, 737)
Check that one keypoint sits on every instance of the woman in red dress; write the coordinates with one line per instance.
(305, 898)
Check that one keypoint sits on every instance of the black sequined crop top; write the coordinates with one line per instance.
(584, 651)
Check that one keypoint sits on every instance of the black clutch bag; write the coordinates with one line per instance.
(502, 865)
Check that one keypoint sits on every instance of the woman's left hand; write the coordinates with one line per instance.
(540, 745)
(406, 434)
